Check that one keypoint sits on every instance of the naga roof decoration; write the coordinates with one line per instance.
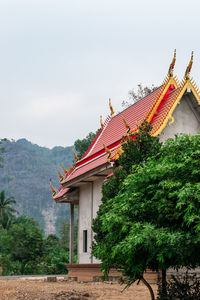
(101, 122)
(75, 156)
(171, 67)
(156, 108)
(60, 175)
(65, 170)
(52, 189)
(111, 108)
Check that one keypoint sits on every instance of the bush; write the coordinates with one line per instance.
(179, 287)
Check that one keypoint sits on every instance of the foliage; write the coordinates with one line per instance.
(6, 210)
(135, 152)
(185, 287)
(153, 222)
(24, 250)
(81, 146)
(142, 91)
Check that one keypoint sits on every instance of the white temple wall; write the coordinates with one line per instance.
(85, 208)
(185, 121)
(90, 199)
(97, 195)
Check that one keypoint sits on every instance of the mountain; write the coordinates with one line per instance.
(25, 176)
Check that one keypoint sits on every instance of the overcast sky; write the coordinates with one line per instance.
(61, 60)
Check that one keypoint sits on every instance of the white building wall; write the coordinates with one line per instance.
(97, 195)
(185, 121)
(89, 201)
(85, 211)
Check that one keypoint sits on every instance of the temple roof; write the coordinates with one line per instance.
(157, 108)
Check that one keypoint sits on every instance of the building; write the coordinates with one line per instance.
(172, 108)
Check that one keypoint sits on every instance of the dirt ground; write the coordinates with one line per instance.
(27, 289)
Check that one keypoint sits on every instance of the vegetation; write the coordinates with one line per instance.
(142, 91)
(25, 250)
(82, 146)
(150, 219)
(6, 210)
(185, 287)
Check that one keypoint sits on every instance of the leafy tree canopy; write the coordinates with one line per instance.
(6, 210)
(81, 146)
(154, 220)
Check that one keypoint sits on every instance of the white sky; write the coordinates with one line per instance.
(61, 60)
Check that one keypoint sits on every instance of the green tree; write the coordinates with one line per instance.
(154, 220)
(137, 149)
(27, 243)
(6, 210)
(81, 146)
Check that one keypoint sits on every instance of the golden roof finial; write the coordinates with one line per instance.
(75, 156)
(60, 175)
(52, 188)
(106, 149)
(111, 108)
(171, 67)
(65, 170)
(189, 67)
(128, 127)
(69, 166)
(101, 122)
(125, 123)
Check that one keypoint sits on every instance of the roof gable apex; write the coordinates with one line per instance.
(172, 102)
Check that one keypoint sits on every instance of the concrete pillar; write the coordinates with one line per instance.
(71, 238)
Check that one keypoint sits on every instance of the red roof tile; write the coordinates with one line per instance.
(115, 129)
(61, 193)
(90, 165)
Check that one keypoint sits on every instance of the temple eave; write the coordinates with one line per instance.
(90, 176)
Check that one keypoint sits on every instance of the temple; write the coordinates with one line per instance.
(172, 108)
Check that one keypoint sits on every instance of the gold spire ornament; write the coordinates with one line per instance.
(127, 126)
(189, 67)
(60, 175)
(65, 170)
(75, 156)
(52, 188)
(101, 122)
(171, 67)
(106, 149)
(111, 108)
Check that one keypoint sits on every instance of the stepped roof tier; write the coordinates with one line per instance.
(156, 108)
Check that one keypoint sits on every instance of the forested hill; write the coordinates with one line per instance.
(25, 176)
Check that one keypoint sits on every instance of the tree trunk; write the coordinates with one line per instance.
(164, 283)
(149, 288)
